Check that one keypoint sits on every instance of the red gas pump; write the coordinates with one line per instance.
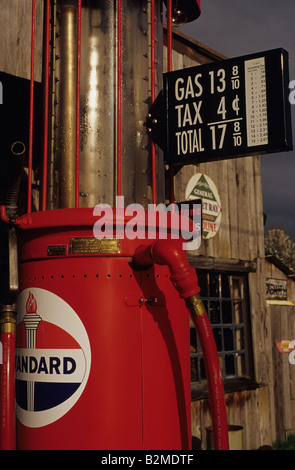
(102, 334)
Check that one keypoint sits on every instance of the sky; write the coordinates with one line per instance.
(241, 27)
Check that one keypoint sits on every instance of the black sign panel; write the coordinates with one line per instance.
(228, 109)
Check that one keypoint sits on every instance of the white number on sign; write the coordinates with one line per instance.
(213, 134)
(221, 81)
(221, 108)
(237, 140)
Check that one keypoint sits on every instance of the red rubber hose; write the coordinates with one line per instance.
(214, 380)
(7, 375)
(169, 252)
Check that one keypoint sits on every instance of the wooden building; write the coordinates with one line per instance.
(231, 268)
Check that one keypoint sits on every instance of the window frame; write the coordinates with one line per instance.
(237, 381)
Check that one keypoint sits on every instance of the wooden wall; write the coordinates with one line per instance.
(238, 246)
(282, 314)
(15, 32)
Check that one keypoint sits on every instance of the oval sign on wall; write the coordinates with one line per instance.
(200, 186)
(53, 358)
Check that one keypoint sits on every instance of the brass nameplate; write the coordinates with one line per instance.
(93, 245)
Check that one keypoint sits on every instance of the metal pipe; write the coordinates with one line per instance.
(8, 296)
(31, 119)
(67, 107)
(119, 98)
(52, 193)
(77, 180)
(46, 104)
(7, 377)
(184, 278)
(169, 69)
(169, 35)
(153, 84)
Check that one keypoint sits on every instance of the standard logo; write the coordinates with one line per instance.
(52, 358)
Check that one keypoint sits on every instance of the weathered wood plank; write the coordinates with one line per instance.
(291, 328)
(259, 206)
(243, 209)
(261, 326)
(223, 250)
(278, 372)
(251, 426)
(233, 208)
(252, 210)
(221, 264)
(15, 44)
(266, 419)
(285, 365)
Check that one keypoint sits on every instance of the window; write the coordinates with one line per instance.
(225, 299)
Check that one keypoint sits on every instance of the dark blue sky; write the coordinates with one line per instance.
(240, 27)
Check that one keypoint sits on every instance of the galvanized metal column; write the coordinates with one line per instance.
(98, 94)
(66, 144)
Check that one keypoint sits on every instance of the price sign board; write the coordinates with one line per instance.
(228, 109)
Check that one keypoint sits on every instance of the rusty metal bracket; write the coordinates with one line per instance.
(156, 122)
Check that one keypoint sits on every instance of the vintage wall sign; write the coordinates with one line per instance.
(200, 186)
(228, 109)
(287, 346)
(276, 289)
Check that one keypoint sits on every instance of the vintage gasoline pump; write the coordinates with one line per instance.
(95, 329)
